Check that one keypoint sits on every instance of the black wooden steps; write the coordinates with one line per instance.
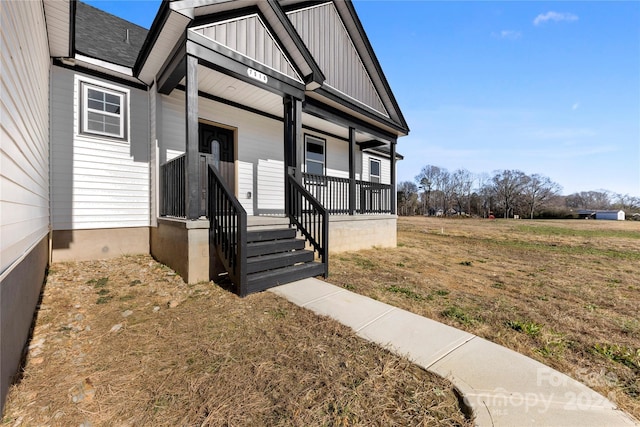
(276, 257)
(273, 234)
(267, 279)
(282, 259)
(273, 246)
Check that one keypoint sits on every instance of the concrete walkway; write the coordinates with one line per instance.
(502, 387)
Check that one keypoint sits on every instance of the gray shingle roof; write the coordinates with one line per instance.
(104, 36)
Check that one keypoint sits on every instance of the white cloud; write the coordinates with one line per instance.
(507, 34)
(554, 16)
(575, 106)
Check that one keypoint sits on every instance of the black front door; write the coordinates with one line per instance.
(215, 145)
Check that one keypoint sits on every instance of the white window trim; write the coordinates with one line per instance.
(82, 86)
(319, 141)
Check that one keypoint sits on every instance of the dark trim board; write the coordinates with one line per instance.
(333, 115)
(316, 75)
(376, 64)
(72, 28)
(152, 36)
(337, 97)
(98, 74)
(226, 15)
(260, 113)
(232, 63)
(174, 68)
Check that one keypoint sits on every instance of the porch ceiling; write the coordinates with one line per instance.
(236, 91)
(231, 89)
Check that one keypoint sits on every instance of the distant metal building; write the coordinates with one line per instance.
(596, 214)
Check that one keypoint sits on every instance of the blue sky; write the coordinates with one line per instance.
(544, 87)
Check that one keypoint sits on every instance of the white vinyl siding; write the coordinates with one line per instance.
(385, 168)
(245, 186)
(97, 182)
(259, 150)
(259, 142)
(24, 131)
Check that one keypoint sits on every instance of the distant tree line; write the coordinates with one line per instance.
(506, 193)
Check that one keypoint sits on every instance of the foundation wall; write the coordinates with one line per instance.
(183, 246)
(19, 294)
(352, 233)
(85, 245)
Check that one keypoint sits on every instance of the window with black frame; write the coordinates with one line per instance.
(374, 170)
(314, 155)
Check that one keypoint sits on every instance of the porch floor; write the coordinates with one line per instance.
(267, 221)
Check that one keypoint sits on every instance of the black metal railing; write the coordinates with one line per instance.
(333, 193)
(172, 188)
(375, 198)
(228, 230)
(310, 217)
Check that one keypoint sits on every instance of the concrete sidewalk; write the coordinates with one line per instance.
(502, 387)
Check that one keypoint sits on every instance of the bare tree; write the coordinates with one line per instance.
(485, 194)
(626, 202)
(508, 185)
(407, 198)
(536, 191)
(600, 199)
(462, 182)
(427, 180)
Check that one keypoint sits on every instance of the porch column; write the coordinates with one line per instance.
(352, 171)
(293, 135)
(192, 171)
(394, 193)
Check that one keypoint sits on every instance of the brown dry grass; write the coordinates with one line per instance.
(199, 355)
(566, 293)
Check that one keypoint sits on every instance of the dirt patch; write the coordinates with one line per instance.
(566, 293)
(126, 342)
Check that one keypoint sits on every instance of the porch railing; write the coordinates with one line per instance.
(228, 229)
(172, 188)
(375, 198)
(310, 218)
(333, 193)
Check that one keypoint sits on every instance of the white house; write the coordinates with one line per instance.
(602, 214)
(250, 137)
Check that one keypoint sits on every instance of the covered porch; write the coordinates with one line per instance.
(260, 139)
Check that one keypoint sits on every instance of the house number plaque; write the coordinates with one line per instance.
(256, 75)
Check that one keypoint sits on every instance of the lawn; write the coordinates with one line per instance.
(566, 293)
(127, 342)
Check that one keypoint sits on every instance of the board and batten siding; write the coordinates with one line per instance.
(326, 37)
(98, 182)
(249, 36)
(24, 130)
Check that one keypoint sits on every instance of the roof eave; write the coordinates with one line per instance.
(59, 21)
